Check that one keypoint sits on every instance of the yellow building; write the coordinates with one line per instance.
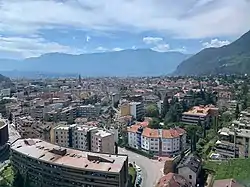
(125, 109)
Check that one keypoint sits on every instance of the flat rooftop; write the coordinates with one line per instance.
(102, 133)
(239, 132)
(43, 151)
(198, 110)
(2, 123)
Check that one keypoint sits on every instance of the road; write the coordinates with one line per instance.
(151, 169)
(13, 134)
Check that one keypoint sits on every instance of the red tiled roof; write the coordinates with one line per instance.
(172, 180)
(133, 128)
(150, 133)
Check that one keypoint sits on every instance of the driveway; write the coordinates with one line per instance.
(151, 169)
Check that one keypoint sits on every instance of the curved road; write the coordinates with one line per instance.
(151, 169)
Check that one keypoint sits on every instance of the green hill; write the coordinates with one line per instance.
(233, 58)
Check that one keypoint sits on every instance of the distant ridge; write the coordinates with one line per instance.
(230, 59)
(140, 62)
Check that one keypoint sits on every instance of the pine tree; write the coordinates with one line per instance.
(165, 107)
(237, 111)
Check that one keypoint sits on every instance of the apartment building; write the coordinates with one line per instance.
(84, 137)
(204, 114)
(159, 141)
(125, 109)
(4, 134)
(160, 106)
(37, 112)
(5, 92)
(48, 165)
(135, 109)
(28, 127)
(69, 114)
(52, 116)
(87, 111)
(102, 141)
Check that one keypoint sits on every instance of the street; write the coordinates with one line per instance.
(151, 169)
(13, 134)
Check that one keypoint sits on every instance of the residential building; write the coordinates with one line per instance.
(69, 114)
(160, 106)
(5, 92)
(84, 137)
(226, 149)
(172, 180)
(87, 111)
(102, 141)
(4, 134)
(227, 183)
(158, 141)
(52, 116)
(190, 168)
(28, 127)
(115, 97)
(204, 114)
(37, 112)
(45, 164)
(137, 110)
(125, 109)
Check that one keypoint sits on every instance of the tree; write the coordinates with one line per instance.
(165, 107)
(154, 123)
(11, 117)
(244, 88)
(237, 111)
(244, 104)
(152, 111)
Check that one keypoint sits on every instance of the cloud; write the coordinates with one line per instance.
(104, 49)
(161, 48)
(101, 49)
(134, 47)
(33, 46)
(117, 49)
(215, 43)
(88, 38)
(152, 40)
(188, 19)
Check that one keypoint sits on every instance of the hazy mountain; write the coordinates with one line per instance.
(139, 62)
(5, 82)
(233, 58)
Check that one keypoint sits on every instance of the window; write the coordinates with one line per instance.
(190, 176)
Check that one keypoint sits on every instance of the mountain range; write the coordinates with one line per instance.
(140, 62)
(230, 59)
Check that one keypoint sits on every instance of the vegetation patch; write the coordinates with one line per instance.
(132, 172)
(235, 168)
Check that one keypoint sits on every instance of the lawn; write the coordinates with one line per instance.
(8, 175)
(132, 172)
(236, 168)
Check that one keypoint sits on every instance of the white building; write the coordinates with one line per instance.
(159, 141)
(137, 110)
(5, 92)
(102, 141)
(160, 106)
(86, 111)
